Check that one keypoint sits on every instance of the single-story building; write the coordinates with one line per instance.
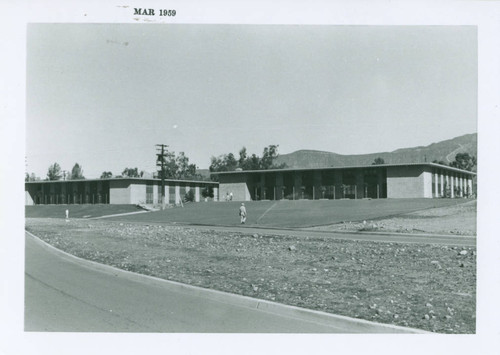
(113, 191)
(413, 180)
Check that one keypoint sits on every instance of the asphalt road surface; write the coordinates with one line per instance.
(65, 295)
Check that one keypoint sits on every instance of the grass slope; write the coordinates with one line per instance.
(77, 211)
(292, 214)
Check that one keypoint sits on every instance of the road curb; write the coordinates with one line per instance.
(335, 321)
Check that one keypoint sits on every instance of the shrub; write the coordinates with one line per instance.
(189, 196)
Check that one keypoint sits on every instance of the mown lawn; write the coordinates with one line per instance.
(77, 211)
(292, 214)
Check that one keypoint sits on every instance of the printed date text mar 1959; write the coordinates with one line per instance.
(152, 12)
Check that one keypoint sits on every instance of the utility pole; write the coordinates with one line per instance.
(160, 162)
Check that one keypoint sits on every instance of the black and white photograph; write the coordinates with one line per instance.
(271, 183)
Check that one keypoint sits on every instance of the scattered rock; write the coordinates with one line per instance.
(428, 305)
(426, 317)
(292, 248)
(255, 235)
(463, 252)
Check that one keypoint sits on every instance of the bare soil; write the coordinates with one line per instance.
(429, 287)
(450, 220)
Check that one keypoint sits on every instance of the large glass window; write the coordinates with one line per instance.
(149, 193)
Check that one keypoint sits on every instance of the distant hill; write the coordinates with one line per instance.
(441, 151)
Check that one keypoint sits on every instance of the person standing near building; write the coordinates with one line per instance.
(243, 213)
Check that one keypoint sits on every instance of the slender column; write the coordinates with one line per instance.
(441, 176)
(436, 177)
(177, 194)
(452, 185)
(448, 182)
(197, 194)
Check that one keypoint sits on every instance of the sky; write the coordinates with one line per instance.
(103, 95)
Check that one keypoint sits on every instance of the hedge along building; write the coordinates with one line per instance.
(414, 180)
(113, 191)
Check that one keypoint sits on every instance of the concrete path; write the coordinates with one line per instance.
(67, 294)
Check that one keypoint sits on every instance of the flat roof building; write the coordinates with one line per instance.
(413, 180)
(114, 191)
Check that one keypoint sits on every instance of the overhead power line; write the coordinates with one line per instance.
(160, 162)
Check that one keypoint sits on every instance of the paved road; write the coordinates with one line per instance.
(63, 294)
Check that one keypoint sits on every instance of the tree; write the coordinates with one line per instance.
(228, 162)
(225, 162)
(464, 161)
(189, 196)
(178, 167)
(54, 172)
(184, 169)
(129, 172)
(106, 175)
(378, 161)
(208, 191)
(268, 155)
(76, 173)
(243, 156)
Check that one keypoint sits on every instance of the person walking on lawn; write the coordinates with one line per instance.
(243, 213)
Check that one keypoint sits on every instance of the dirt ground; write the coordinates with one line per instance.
(449, 220)
(429, 287)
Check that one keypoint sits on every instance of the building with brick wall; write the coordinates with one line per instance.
(113, 191)
(413, 180)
